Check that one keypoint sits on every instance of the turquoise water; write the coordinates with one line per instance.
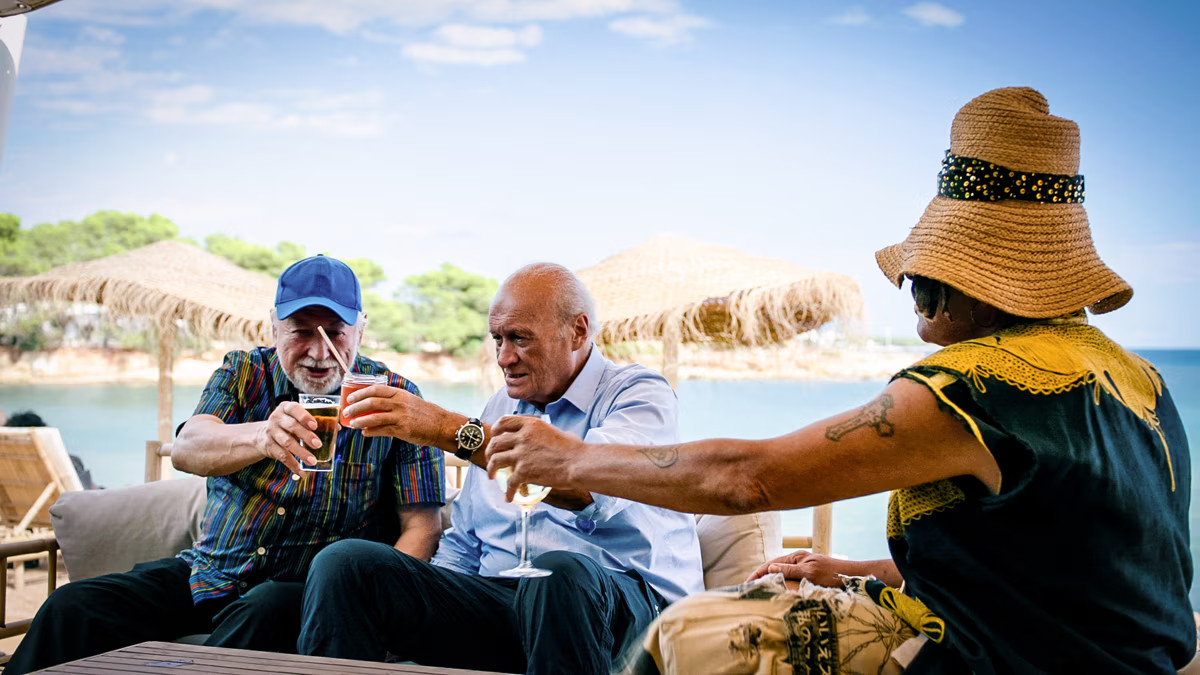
(107, 426)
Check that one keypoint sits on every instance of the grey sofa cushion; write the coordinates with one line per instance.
(731, 547)
(104, 531)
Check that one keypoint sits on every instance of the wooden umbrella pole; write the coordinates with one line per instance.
(671, 340)
(166, 384)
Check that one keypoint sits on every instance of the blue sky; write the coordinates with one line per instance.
(491, 133)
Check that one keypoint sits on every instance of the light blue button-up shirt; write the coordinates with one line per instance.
(605, 404)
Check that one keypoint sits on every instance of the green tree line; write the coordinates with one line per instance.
(445, 308)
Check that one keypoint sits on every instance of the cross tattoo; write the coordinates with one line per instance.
(873, 414)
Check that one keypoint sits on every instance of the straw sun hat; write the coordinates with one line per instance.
(1008, 225)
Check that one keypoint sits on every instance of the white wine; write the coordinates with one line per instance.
(528, 495)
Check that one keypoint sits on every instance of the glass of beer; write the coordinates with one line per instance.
(527, 497)
(352, 382)
(324, 408)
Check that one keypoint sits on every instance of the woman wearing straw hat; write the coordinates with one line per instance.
(1040, 474)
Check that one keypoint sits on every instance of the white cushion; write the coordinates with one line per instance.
(105, 531)
(732, 547)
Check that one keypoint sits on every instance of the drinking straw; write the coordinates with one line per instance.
(336, 355)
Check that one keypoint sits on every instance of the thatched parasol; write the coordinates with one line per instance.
(171, 282)
(678, 290)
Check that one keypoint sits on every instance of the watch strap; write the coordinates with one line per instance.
(466, 450)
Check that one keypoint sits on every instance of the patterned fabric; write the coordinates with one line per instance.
(262, 523)
(1081, 562)
(763, 628)
(967, 178)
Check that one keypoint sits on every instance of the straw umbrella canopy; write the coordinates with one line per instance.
(170, 282)
(678, 290)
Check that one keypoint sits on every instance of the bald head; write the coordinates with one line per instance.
(541, 322)
(555, 286)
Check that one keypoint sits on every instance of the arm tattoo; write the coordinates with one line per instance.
(873, 414)
(663, 457)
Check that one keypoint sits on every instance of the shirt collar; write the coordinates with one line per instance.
(582, 390)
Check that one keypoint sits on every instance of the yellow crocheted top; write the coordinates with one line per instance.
(1043, 358)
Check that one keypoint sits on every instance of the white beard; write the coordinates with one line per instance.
(326, 385)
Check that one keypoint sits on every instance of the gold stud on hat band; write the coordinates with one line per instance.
(967, 178)
(1029, 254)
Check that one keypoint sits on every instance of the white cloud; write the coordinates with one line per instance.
(481, 37)
(466, 45)
(58, 60)
(435, 53)
(933, 14)
(80, 107)
(662, 31)
(343, 17)
(105, 35)
(344, 115)
(93, 79)
(855, 16)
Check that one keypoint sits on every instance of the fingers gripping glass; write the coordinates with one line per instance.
(527, 497)
(325, 410)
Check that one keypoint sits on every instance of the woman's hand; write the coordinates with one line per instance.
(821, 570)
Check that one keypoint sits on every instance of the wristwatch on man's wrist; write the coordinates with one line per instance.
(469, 437)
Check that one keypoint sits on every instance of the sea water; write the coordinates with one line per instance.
(107, 426)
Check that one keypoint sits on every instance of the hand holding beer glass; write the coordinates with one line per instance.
(324, 409)
(527, 497)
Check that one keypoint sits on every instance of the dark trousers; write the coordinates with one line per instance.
(153, 602)
(364, 600)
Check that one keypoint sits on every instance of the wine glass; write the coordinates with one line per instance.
(527, 497)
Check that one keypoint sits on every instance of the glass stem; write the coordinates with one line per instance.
(525, 538)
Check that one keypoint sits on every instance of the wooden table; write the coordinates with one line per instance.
(169, 658)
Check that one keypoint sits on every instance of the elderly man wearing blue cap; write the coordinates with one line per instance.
(241, 583)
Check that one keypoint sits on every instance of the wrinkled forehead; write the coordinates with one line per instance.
(512, 311)
(311, 317)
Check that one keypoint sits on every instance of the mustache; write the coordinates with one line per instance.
(307, 362)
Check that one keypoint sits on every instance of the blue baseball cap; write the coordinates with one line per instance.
(321, 281)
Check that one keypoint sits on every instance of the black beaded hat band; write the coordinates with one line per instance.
(970, 179)
(1017, 240)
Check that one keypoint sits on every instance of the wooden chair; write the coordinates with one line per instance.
(822, 532)
(18, 551)
(34, 470)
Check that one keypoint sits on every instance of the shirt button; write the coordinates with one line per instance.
(262, 551)
(295, 476)
(281, 510)
(242, 584)
(585, 525)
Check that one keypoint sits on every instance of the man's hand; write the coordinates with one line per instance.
(821, 570)
(537, 453)
(288, 426)
(380, 410)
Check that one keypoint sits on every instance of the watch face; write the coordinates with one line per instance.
(470, 437)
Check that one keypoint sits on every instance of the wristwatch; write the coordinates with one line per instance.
(470, 438)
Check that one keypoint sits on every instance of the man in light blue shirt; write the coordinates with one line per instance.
(614, 563)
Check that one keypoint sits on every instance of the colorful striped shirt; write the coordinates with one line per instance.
(260, 523)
